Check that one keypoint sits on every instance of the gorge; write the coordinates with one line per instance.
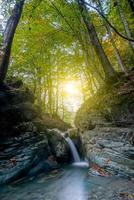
(66, 100)
(32, 156)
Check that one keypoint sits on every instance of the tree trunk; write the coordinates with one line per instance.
(8, 37)
(62, 104)
(107, 67)
(57, 92)
(125, 23)
(117, 53)
(90, 58)
(50, 99)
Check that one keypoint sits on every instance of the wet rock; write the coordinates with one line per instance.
(58, 145)
(105, 147)
(110, 143)
(18, 161)
(26, 146)
(114, 190)
(43, 166)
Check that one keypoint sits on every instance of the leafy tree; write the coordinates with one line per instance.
(59, 41)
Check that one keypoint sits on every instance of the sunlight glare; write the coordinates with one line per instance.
(73, 95)
(71, 88)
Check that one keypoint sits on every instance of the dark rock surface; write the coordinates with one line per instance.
(106, 124)
(115, 190)
(59, 146)
(26, 146)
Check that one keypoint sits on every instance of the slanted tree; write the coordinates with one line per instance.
(107, 67)
(117, 53)
(8, 37)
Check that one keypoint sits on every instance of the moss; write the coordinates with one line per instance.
(54, 122)
(111, 102)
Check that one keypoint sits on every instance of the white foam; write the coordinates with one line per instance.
(81, 164)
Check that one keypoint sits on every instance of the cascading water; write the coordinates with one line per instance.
(74, 151)
(76, 157)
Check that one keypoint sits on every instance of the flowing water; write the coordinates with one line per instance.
(76, 157)
(68, 183)
(74, 151)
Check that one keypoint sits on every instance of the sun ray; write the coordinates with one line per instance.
(71, 88)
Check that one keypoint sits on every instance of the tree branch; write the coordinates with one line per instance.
(102, 15)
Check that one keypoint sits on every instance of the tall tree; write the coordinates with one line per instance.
(8, 37)
(107, 67)
(124, 22)
(117, 53)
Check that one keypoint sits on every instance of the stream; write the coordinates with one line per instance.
(71, 182)
(68, 183)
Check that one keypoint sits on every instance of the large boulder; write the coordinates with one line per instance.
(58, 145)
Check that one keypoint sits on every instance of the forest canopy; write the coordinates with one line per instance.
(64, 50)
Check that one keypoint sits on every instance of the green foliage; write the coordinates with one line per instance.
(52, 45)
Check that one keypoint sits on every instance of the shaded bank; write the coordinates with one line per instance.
(26, 146)
(107, 129)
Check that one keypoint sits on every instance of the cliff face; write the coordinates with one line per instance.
(26, 146)
(106, 122)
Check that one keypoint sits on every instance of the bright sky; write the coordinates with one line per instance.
(73, 95)
(1, 16)
(0, 9)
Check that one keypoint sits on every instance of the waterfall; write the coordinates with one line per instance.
(73, 150)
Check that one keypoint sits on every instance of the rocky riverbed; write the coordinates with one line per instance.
(29, 150)
(27, 147)
(69, 183)
(106, 128)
